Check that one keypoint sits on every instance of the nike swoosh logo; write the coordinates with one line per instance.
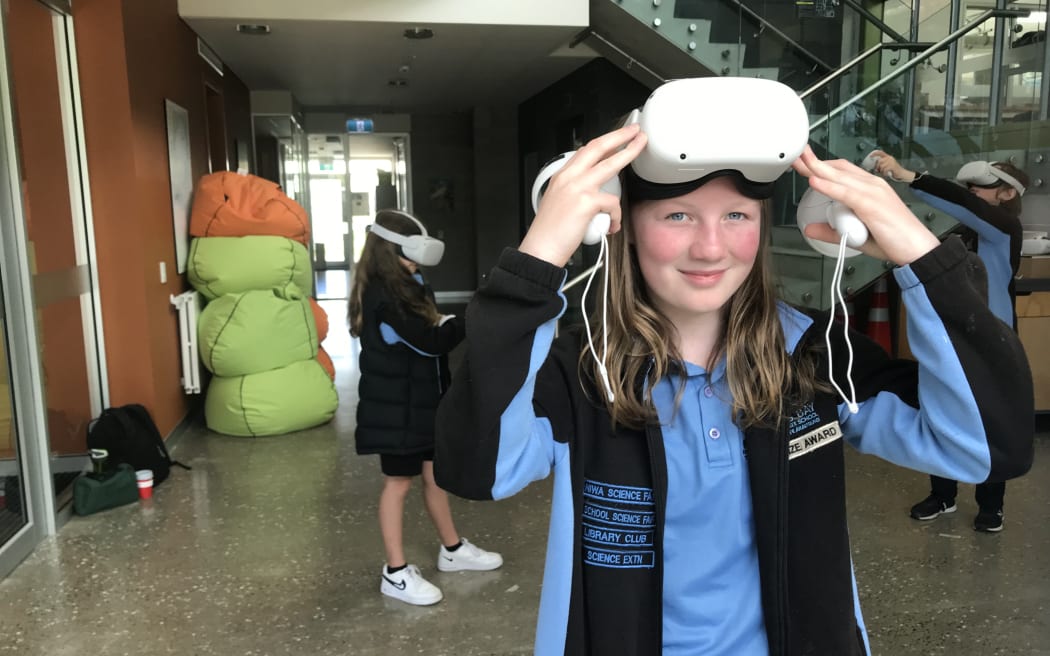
(399, 586)
(447, 558)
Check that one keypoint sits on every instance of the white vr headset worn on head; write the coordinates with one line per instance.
(986, 174)
(421, 249)
(700, 126)
(750, 128)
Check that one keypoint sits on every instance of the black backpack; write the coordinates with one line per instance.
(130, 436)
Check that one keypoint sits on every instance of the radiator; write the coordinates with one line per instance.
(188, 305)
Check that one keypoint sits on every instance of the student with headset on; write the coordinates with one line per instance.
(405, 342)
(985, 197)
(696, 444)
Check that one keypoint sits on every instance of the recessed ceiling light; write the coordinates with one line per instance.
(254, 29)
(419, 33)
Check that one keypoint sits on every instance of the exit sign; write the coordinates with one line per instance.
(359, 125)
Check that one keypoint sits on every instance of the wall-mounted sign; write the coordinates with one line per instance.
(359, 204)
(359, 125)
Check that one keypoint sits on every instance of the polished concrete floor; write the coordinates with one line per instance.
(270, 547)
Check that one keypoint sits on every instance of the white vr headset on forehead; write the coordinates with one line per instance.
(985, 174)
(697, 128)
(700, 126)
(421, 249)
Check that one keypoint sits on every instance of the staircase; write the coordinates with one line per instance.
(868, 104)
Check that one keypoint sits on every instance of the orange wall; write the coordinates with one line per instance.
(132, 56)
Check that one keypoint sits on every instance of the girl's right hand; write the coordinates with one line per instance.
(574, 196)
(887, 166)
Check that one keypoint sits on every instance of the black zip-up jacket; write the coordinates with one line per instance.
(403, 375)
(517, 410)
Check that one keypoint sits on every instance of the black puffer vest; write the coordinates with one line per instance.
(399, 388)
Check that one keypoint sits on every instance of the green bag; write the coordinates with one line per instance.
(96, 492)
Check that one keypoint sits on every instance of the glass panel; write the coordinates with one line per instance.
(294, 157)
(12, 510)
(280, 154)
(326, 218)
(56, 234)
(375, 183)
(401, 172)
(365, 175)
(973, 76)
(1023, 62)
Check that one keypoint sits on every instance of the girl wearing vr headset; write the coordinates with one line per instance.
(405, 343)
(699, 502)
(990, 205)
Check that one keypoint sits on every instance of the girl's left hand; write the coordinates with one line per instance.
(896, 234)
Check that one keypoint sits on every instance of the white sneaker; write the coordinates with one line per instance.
(409, 586)
(467, 558)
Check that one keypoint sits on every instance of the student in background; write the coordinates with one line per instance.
(986, 198)
(405, 342)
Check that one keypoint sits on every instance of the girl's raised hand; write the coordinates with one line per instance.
(896, 234)
(574, 196)
(887, 165)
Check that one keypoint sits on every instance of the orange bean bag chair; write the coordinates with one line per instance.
(326, 362)
(320, 320)
(228, 204)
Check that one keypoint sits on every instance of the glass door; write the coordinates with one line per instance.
(351, 177)
(58, 244)
(373, 181)
(28, 301)
(14, 510)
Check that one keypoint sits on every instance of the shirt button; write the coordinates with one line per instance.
(714, 433)
(708, 392)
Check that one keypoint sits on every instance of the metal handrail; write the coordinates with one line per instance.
(842, 70)
(867, 15)
(766, 25)
(918, 59)
(632, 61)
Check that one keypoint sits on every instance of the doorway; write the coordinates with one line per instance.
(215, 122)
(351, 176)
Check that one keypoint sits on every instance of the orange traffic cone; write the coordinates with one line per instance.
(879, 316)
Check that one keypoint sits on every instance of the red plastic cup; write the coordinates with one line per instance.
(144, 478)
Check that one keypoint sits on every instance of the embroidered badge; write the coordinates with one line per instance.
(818, 437)
(805, 417)
(618, 526)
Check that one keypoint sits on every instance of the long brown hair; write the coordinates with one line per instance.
(379, 264)
(763, 377)
(1012, 205)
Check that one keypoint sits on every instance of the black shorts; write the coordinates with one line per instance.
(404, 465)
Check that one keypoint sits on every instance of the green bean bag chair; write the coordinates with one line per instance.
(257, 331)
(273, 402)
(228, 265)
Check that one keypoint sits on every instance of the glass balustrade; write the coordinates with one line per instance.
(933, 84)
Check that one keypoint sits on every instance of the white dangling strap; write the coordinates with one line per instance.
(836, 294)
(602, 256)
